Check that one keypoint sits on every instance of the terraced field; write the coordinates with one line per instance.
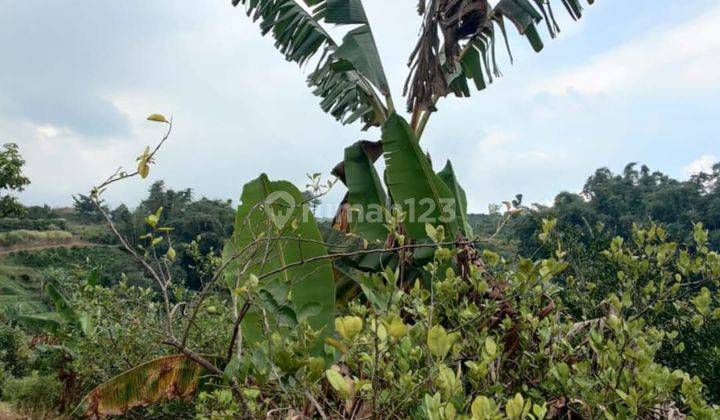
(18, 289)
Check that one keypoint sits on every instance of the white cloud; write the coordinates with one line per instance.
(685, 56)
(47, 131)
(702, 164)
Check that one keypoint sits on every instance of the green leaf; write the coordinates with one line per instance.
(157, 381)
(308, 310)
(359, 49)
(339, 383)
(490, 346)
(483, 408)
(93, 277)
(39, 323)
(152, 220)
(348, 326)
(413, 184)
(62, 306)
(282, 272)
(472, 67)
(437, 341)
(365, 192)
(514, 407)
(395, 326)
(344, 93)
(524, 16)
(345, 12)
(447, 175)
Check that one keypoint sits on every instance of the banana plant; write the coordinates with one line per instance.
(276, 254)
(457, 44)
(63, 315)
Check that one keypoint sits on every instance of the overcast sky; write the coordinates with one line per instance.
(632, 81)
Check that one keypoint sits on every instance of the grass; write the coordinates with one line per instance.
(33, 237)
(94, 233)
(20, 289)
(14, 295)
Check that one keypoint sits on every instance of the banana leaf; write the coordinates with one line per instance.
(366, 195)
(344, 75)
(448, 177)
(469, 37)
(272, 210)
(62, 306)
(413, 184)
(39, 323)
(159, 380)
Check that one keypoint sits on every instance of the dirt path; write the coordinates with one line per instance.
(32, 248)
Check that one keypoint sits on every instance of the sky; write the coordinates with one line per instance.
(636, 83)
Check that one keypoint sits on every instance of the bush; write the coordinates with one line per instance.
(496, 339)
(13, 350)
(110, 262)
(96, 234)
(41, 212)
(35, 394)
(9, 224)
(31, 237)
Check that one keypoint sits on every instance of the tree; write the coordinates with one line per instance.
(11, 180)
(87, 210)
(123, 219)
(173, 202)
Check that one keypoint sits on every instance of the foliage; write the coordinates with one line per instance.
(217, 404)
(347, 75)
(11, 180)
(430, 324)
(85, 208)
(110, 263)
(413, 184)
(159, 380)
(612, 203)
(120, 334)
(35, 394)
(457, 42)
(274, 227)
(93, 233)
(40, 212)
(503, 343)
(13, 350)
(204, 224)
(30, 237)
(40, 224)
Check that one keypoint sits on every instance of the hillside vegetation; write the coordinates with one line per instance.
(585, 226)
(403, 306)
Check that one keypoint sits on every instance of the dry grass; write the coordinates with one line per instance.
(34, 238)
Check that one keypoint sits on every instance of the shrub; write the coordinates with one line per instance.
(97, 234)
(110, 262)
(9, 224)
(35, 394)
(30, 237)
(13, 350)
(496, 340)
